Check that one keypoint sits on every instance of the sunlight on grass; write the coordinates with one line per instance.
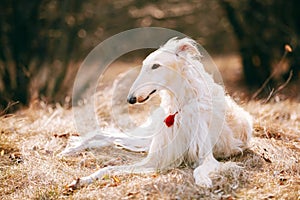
(30, 169)
(270, 168)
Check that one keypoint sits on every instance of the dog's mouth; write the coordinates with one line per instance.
(132, 99)
(142, 100)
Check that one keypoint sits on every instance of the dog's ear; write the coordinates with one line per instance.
(188, 48)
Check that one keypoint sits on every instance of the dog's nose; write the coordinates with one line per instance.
(131, 99)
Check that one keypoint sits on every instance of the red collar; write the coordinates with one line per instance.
(169, 120)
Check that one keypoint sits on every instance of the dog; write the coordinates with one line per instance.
(195, 124)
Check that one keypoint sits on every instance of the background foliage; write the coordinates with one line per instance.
(43, 41)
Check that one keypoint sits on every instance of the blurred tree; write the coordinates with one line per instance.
(262, 29)
(42, 40)
(17, 43)
(35, 35)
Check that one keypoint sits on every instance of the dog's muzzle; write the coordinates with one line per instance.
(132, 99)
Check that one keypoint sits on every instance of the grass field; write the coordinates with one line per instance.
(30, 169)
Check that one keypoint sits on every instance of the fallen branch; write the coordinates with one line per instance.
(288, 49)
(281, 87)
(9, 105)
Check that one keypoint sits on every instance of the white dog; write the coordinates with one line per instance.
(198, 123)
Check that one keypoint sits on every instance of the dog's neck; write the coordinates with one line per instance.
(172, 104)
(196, 88)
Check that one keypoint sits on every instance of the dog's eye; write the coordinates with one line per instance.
(155, 66)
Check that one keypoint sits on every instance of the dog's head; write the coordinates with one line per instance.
(162, 69)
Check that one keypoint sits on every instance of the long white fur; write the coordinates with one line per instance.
(209, 123)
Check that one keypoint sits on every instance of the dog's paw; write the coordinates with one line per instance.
(202, 172)
(201, 178)
(70, 188)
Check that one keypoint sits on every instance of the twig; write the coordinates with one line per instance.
(281, 87)
(263, 86)
(287, 49)
(9, 105)
(269, 96)
(285, 83)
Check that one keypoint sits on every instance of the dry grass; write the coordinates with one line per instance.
(31, 139)
(30, 169)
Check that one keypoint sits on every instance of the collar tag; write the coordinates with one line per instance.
(169, 120)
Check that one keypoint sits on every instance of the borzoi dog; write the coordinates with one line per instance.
(199, 121)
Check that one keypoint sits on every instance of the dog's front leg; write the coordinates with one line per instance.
(141, 167)
(201, 173)
(79, 182)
